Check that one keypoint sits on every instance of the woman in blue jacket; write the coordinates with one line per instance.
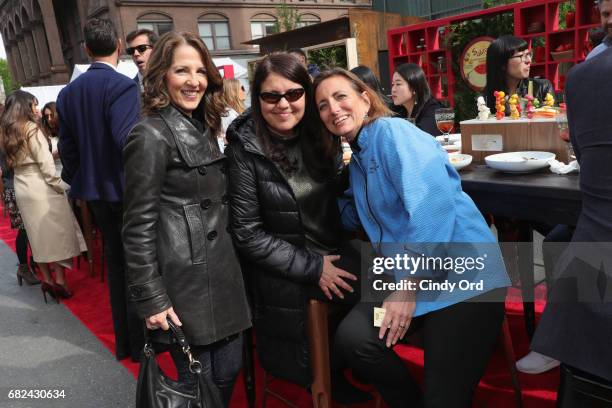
(406, 195)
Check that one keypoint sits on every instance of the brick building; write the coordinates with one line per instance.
(43, 38)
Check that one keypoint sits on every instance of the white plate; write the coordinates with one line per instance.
(519, 162)
(453, 137)
(453, 147)
(459, 161)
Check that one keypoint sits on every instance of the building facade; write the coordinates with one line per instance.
(44, 38)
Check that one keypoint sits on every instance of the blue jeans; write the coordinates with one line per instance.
(221, 363)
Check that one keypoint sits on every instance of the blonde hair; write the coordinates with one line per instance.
(231, 94)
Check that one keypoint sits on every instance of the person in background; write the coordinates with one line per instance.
(234, 97)
(96, 112)
(508, 66)
(139, 46)
(576, 326)
(181, 262)
(403, 190)
(605, 11)
(53, 231)
(410, 91)
(367, 76)
(50, 128)
(24, 271)
(300, 55)
(283, 184)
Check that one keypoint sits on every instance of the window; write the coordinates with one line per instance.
(214, 31)
(307, 20)
(159, 23)
(262, 25)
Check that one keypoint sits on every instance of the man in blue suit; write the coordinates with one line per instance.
(96, 112)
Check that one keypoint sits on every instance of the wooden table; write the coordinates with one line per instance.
(541, 197)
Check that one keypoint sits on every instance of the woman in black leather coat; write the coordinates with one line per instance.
(284, 215)
(180, 259)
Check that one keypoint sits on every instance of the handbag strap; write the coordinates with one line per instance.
(194, 365)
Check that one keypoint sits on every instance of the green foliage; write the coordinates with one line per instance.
(461, 35)
(565, 8)
(5, 73)
(288, 18)
(329, 57)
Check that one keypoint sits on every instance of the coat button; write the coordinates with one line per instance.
(223, 168)
(205, 205)
(225, 200)
(212, 235)
(202, 170)
(136, 292)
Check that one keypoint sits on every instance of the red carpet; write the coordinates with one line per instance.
(91, 306)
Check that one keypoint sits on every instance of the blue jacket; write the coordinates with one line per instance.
(403, 190)
(96, 113)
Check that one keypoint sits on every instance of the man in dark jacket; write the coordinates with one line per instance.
(140, 46)
(96, 112)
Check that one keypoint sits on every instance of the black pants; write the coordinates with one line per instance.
(129, 337)
(457, 340)
(21, 245)
(221, 362)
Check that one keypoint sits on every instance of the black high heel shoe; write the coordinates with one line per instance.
(47, 287)
(62, 291)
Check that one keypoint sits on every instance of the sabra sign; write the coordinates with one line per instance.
(473, 63)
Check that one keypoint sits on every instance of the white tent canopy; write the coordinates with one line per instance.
(44, 94)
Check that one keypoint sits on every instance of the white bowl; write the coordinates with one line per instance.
(459, 161)
(519, 162)
(452, 147)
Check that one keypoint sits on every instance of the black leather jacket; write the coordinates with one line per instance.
(267, 227)
(178, 249)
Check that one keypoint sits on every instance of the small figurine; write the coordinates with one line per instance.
(514, 110)
(529, 108)
(549, 100)
(500, 105)
(483, 110)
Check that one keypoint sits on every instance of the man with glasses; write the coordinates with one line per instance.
(140, 45)
(605, 11)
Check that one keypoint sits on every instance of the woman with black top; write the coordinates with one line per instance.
(179, 255)
(508, 65)
(410, 91)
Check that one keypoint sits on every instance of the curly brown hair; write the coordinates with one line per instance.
(17, 125)
(155, 95)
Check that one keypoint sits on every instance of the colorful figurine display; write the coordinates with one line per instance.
(529, 108)
(549, 100)
(483, 110)
(500, 104)
(513, 103)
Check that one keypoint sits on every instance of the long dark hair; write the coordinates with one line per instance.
(319, 150)
(17, 125)
(498, 54)
(46, 127)
(369, 78)
(155, 95)
(415, 77)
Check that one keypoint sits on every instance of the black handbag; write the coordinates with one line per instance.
(156, 390)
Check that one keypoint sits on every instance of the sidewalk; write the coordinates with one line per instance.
(45, 347)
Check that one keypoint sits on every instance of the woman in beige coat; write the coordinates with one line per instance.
(55, 237)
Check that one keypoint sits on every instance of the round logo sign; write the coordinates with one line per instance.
(473, 63)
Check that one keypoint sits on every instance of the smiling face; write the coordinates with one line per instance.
(282, 116)
(400, 91)
(140, 59)
(517, 67)
(186, 79)
(342, 109)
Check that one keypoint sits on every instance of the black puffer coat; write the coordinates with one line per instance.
(178, 249)
(267, 230)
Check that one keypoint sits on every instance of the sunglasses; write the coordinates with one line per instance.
(140, 48)
(291, 95)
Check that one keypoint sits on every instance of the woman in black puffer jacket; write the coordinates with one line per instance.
(284, 216)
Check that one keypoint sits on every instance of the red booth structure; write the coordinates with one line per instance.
(425, 43)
